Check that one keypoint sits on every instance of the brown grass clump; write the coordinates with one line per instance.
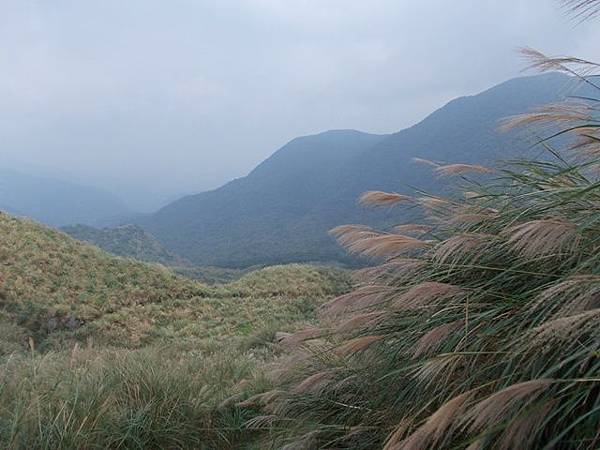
(461, 169)
(521, 432)
(577, 294)
(396, 268)
(312, 382)
(435, 337)
(432, 203)
(423, 294)
(357, 345)
(567, 64)
(412, 228)
(441, 422)
(359, 321)
(471, 245)
(364, 241)
(543, 237)
(497, 406)
(363, 298)
(566, 113)
(301, 336)
(379, 198)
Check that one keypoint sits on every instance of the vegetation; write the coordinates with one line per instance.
(143, 399)
(477, 329)
(98, 351)
(131, 241)
(480, 328)
(57, 290)
(127, 241)
(281, 211)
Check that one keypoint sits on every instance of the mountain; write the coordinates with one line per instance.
(282, 210)
(247, 221)
(128, 241)
(57, 202)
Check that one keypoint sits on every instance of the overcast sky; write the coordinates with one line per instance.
(173, 96)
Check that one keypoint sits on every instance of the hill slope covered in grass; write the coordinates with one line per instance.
(54, 288)
(98, 351)
(282, 210)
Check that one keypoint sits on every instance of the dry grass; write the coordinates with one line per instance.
(461, 169)
(98, 351)
(378, 198)
(479, 329)
(583, 9)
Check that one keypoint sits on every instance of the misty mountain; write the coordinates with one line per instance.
(57, 202)
(282, 210)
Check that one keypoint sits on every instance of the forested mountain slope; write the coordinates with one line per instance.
(282, 210)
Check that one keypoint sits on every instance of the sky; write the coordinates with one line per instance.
(153, 99)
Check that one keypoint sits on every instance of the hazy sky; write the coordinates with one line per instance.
(173, 96)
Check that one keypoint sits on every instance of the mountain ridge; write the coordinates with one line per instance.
(281, 211)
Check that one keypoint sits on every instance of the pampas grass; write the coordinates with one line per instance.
(378, 198)
(461, 169)
(479, 328)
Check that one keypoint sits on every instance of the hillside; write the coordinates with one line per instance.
(56, 289)
(248, 220)
(129, 355)
(282, 210)
(127, 241)
(131, 241)
(57, 202)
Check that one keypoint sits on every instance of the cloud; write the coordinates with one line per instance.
(191, 93)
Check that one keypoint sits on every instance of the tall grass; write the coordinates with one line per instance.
(102, 352)
(479, 329)
(146, 399)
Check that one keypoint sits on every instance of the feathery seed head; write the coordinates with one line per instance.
(461, 169)
(357, 345)
(543, 237)
(426, 293)
(382, 199)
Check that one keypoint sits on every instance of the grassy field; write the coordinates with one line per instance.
(56, 291)
(98, 351)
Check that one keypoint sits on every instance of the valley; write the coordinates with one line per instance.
(431, 288)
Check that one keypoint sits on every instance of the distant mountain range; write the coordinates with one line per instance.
(58, 202)
(282, 210)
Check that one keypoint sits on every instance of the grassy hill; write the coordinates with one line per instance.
(97, 351)
(57, 289)
(282, 210)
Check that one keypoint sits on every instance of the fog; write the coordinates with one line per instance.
(152, 99)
